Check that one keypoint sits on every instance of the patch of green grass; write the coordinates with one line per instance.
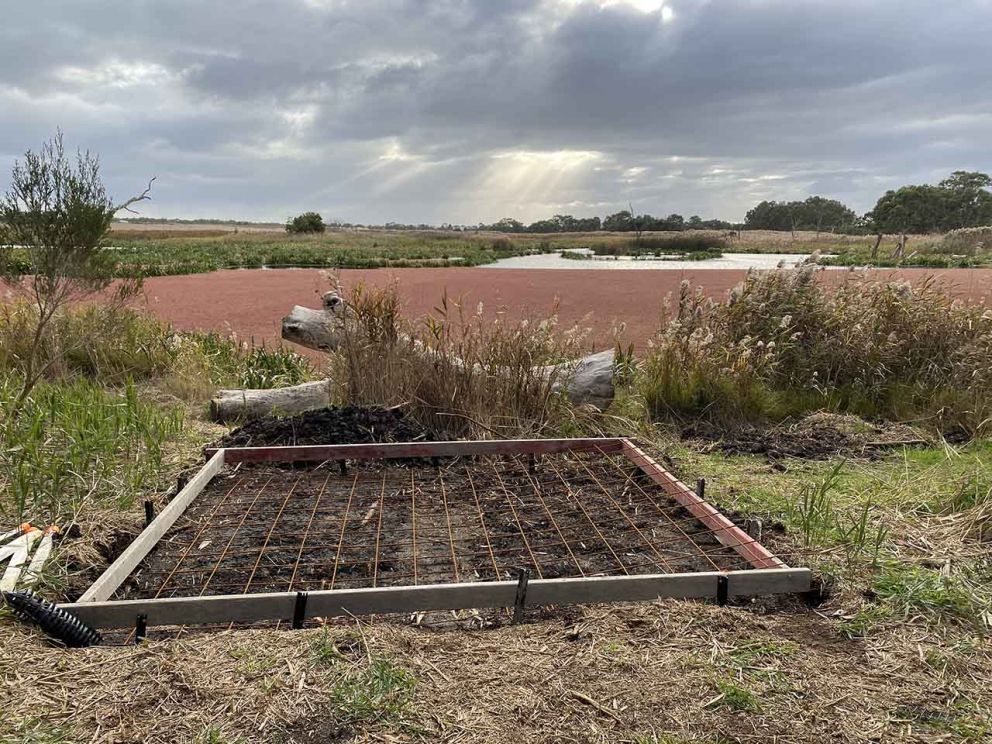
(40, 731)
(963, 718)
(215, 735)
(251, 663)
(160, 255)
(327, 648)
(759, 652)
(381, 692)
(78, 443)
(248, 364)
(736, 697)
(820, 524)
(911, 590)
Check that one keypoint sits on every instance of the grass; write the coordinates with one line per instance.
(77, 443)
(151, 252)
(783, 345)
(380, 692)
(735, 696)
(144, 254)
(98, 433)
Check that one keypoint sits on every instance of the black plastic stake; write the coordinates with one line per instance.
(520, 600)
(531, 463)
(721, 590)
(300, 610)
(140, 628)
(149, 512)
(701, 488)
(343, 466)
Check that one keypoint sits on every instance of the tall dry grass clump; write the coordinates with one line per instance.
(783, 344)
(459, 373)
(967, 241)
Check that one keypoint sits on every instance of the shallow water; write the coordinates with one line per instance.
(727, 261)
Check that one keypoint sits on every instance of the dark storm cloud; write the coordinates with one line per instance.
(468, 111)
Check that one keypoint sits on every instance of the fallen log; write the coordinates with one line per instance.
(586, 381)
(242, 405)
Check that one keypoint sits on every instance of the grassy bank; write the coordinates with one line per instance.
(158, 252)
(151, 254)
(116, 415)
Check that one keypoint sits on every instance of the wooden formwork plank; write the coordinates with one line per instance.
(119, 570)
(724, 530)
(409, 599)
(768, 581)
(322, 452)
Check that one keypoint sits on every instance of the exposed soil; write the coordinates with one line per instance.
(344, 425)
(819, 436)
(251, 303)
(265, 528)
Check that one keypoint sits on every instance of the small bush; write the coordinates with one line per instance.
(105, 341)
(308, 222)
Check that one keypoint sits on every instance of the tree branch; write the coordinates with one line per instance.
(126, 206)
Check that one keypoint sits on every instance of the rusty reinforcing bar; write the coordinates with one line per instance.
(591, 520)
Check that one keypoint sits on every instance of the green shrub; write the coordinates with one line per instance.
(308, 222)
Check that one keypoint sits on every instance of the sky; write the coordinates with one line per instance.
(467, 111)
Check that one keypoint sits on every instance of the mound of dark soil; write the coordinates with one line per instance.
(344, 425)
(819, 436)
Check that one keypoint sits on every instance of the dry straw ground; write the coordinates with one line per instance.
(666, 672)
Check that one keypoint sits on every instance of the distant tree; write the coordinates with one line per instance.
(819, 213)
(969, 203)
(588, 224)
(815, 213)
(55, 217)
(911, 209)
(543, 226)
(309, 222)
(622, 221)
(507, 224)
(771, 215)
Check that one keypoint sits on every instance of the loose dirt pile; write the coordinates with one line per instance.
(819, 436)
(344, 425)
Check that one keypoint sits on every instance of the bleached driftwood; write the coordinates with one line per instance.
(241, 405)
(586, 381)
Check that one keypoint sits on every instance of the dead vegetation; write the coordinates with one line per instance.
(456, 373)
(665, 672)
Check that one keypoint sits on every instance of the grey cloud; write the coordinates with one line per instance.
(397, 110)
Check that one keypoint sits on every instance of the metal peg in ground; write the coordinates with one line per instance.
(521, 598)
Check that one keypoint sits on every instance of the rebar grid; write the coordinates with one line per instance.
(265, 528)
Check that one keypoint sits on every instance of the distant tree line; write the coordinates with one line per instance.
(623, 221)
(961, 200)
